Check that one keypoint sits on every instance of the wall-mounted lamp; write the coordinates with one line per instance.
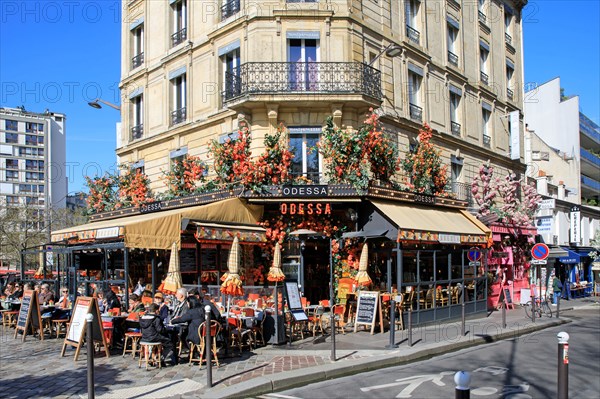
(96, 104)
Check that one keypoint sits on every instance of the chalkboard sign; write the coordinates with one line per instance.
(78, 325)
(366, 310)
(508, 298)
(187, 260)
(29, 315)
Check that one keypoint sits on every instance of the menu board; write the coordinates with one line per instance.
(508, 298)
(366, 310)
(78, 320)
(29, 315)
(187, 260)
(294, 302)
(78, 325)
(208, 257)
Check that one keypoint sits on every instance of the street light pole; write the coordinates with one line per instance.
(331, 302)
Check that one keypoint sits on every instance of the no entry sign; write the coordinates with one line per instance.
(540, 251)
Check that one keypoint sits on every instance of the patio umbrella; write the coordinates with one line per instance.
(362, 277)
(39, 274)
(275, 273)
(232, 285)
(173, 280)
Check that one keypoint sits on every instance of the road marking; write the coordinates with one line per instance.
(276, 395)
(159, 390)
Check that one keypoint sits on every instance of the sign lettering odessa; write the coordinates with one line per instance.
(424, 199)
(151, 207)
(304, 191)
(308, 209)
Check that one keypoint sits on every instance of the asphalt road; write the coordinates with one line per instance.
(520, 368)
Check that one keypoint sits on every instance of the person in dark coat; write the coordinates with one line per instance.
(195, 317)
(153, 330)
(111, 300)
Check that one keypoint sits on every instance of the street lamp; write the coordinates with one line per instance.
(96, 104)
(392, 50)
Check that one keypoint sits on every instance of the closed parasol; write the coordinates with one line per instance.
(232, 285)
(275, 273)
(173, 281)
(362, 277)
(39, 274)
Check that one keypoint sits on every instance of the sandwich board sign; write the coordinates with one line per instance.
(76, 333)
(367, 306)
(294, 300)
(29, 315)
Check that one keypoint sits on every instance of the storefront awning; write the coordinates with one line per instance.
(557, 252)
(572, 257)
(451, 226)
(159, 230)
(221, 232)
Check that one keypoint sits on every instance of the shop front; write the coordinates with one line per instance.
(575, 271)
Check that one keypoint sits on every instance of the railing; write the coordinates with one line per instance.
(484, 77)
(137, 60)
(452, 58)
(462, 191)
(487, 140)
(137, 131)
(178, 37)
(509, 94)
(229, 8)
(303, 77)
(455, 128)
(482, 17)
(178, 116)
(508, 38)
(416, 112)
(413, 34)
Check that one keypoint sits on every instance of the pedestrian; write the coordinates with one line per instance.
(556, 289)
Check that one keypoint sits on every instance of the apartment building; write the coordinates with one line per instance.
(192, 69)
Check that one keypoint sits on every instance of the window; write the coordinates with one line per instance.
(30, 139)
(306, 161)
(481, 11)
(137, 46)
(486, 112)
(414, 87)
(137, 117)
(452, 51)
(455, 112)
(303, 56)
(232, 84)
(484, 53)
(508, 27)
(510, 71)
(179, 11)
(229, 8)
(40, 140)
(12, 125)
(412, 21)
(12, 200)
(12, 138)
(12, 175)
(31, 127)
(178, 109)
(12, 164)
(177, 156)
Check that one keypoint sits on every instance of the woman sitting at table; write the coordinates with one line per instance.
(9, 289)
(111, 301)
(135, 304)
(45, 295)
(153, 330)
(163, 310)
(63, 306)
(17, 293)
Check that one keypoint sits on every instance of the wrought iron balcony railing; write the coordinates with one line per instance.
(482, 17)
(416, 112)
(509, 94)
(302, 77)
(452, 58)
(137, 131)
(413, 34)
(508, 38)
(462, 191)
(137, 60)
(455, 127)
(484, 78)
(229, 8)
(178, 37)
(487, 140)
(178, 116)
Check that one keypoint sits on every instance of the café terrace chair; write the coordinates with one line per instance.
(338, 317)
(150, 353)
(315, 320)
(441, 297)
(408, 300)
(215, 328)
(426, 301)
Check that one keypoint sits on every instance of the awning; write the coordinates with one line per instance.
(516, 230)
(444, 225)
(557, 252)
(222, 232)
(159, 230)
(571, 258)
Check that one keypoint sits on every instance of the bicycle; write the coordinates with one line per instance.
(541, 308)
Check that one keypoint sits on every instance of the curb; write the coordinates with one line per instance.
(292, 379)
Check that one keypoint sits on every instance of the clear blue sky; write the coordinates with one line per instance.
(61, 54)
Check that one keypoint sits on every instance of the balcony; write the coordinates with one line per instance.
(230, 8)
(455, 128)
(452, 58)
(484, 78)
(301, 79)
(509, 94)
(178, 37)
(590, 163)
(137, 132)
(137, 60)
(462, 191)
(508, 39)
(487, 140)
(416, 112)
(482, 17)
(178, 116)
(413, 34)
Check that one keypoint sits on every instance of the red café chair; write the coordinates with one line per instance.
(304, 302)
(253, 297)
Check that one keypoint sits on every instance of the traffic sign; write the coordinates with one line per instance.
(540, 251)
(539, 262)
(474, 254)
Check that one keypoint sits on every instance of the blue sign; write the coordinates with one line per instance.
(474, 254)
(540, 251)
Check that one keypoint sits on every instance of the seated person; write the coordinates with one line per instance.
(146, 297)
(63, 306)
(214, 311)
(111, 300)
(135, 304)
(9, 289)
(195, 317)
(45, 296)
(163, 310)
(153, 330)
(17, 292)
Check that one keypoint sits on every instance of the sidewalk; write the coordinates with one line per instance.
(261, 371)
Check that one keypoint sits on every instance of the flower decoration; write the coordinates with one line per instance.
(185, 177)
(133, 189)
(101, 196)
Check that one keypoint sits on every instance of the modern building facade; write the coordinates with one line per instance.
(32, 163)
(191, 70)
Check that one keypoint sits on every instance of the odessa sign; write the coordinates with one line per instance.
(540, 251)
